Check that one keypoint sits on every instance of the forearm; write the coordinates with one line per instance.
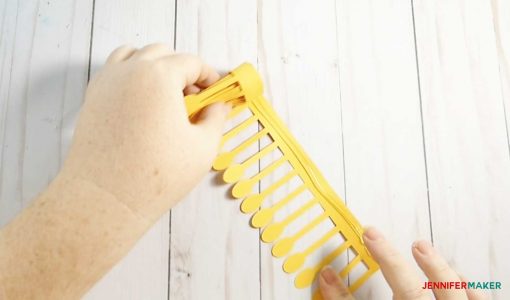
(64, 242)
(135, 141)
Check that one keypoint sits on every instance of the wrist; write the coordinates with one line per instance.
(145, 192)
(66, 240)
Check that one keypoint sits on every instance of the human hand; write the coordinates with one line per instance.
(134, 139)
(402, 279)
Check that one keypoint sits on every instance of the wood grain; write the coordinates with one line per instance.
(500, 262)
(402, 104)
(501, 19)
(465, 136)
(44, 54)
(298, 61)
(143, 273)
(214, 252)
(385, 175)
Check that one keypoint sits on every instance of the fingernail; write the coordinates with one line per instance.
(329, 275)
(372, 234)
(423, 247)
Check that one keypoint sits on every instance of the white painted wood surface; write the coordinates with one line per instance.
(298, 60)
(502, 33)
(465, 136)
(385, 173)
(214, 253)
(143, 273)
(404, 105)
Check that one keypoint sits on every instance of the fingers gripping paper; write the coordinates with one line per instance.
(243, 88)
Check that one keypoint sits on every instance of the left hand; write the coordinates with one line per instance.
(134, 139)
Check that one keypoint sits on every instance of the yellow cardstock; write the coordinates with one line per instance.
(243, 88)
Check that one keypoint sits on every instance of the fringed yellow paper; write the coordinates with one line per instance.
(243, 88)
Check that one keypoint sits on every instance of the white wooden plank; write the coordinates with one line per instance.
(143, 273)
(57, 79)
(500, 261)
(44, 72)
(16, 42)
(466, 139)
(384, 160)
(214, 252)
(501, 18)
(464, 87)
(299, 63)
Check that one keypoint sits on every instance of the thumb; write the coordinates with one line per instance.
(212, 119)
(332, 287)
(209, 125)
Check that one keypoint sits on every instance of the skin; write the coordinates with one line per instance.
(401, 277)
(134, 155)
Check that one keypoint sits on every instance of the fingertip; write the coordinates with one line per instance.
(210, 77)
(372, 234)
(422, 248)
(220, 108)
(329, 275)
(331, 285)
(191, 89)
(214, 116)
(396, 270)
